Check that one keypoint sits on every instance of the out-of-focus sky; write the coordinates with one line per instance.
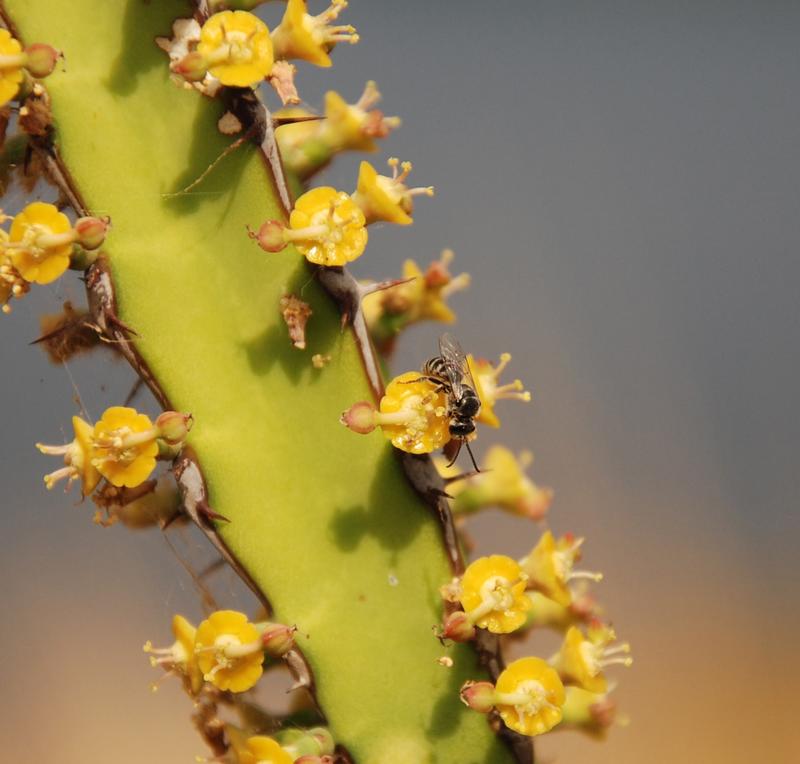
(622, 181)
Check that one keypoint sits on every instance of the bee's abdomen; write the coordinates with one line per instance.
(435, 367)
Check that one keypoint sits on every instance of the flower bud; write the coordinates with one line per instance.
(479, 696)
(360, 418)
(458, 627)
(192, 67)
(173, 427)
(278, 639)
(270, 236)
(91, 232)
(41, 59)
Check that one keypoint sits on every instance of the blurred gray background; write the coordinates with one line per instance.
(621, 180)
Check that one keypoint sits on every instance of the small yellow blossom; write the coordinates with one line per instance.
(12, 285)
(529, 696)
(503, 483)
(311, 38)
(412, 415)
(422, 298)
(327, 227)
(179, 658)
(384, 198)
(581, 659)
(12, 62)
(307, 147)
(40, 243)
(78, 459)
(354, 127)
(260, 749)
(125, 446)
(493, 594)
(229, 651)
(550, 566)
(486, 379)
(236, 48)
(590, 712)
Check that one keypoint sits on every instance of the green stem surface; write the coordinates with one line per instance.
(324, 521)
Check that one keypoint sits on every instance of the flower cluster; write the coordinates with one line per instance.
(328, 226)
(122, 447)
(41, 244)
(534, 695)
(235, 48)
(18, 65)
(226, 650)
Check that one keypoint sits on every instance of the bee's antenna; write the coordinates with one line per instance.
(471, 456)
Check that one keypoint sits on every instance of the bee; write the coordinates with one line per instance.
(449, 371)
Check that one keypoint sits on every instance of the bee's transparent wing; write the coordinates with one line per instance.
(455, 362)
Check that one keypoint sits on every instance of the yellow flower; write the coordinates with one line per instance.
(179, 658)
(307, 147)
(236, 48)
(261, 749)
(486, 378)
(590, 712)
(387, 198)
(413, 414)
(78, 457)
(493, 594)
(327, 227)
(503, 483)
(529, 696)
(581, 660)
(125, 447)
(550, 566)
(40, 243)
(12, 61)
(229, 651)
(311, 38)
(422, 298)
(353, 127)
(11, 282)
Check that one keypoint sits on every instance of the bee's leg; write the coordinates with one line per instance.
(472, 456)
(435, 380)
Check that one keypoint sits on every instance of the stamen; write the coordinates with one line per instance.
(575, 574)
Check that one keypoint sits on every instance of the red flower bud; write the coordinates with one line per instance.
(41, 59)
(173, 427)
(270, 236)
(192, 67)
(479, 696)
(91, 231)
(278, 639)
(458, 627)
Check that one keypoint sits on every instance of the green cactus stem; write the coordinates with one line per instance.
(333, 529)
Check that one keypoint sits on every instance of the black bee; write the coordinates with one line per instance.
(449, 371)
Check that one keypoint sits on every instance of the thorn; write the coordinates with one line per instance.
(379, 286)
(464, 476)
(134, 391)
(440, 493)
(281, 121)
(119, 323)
(209, 514)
